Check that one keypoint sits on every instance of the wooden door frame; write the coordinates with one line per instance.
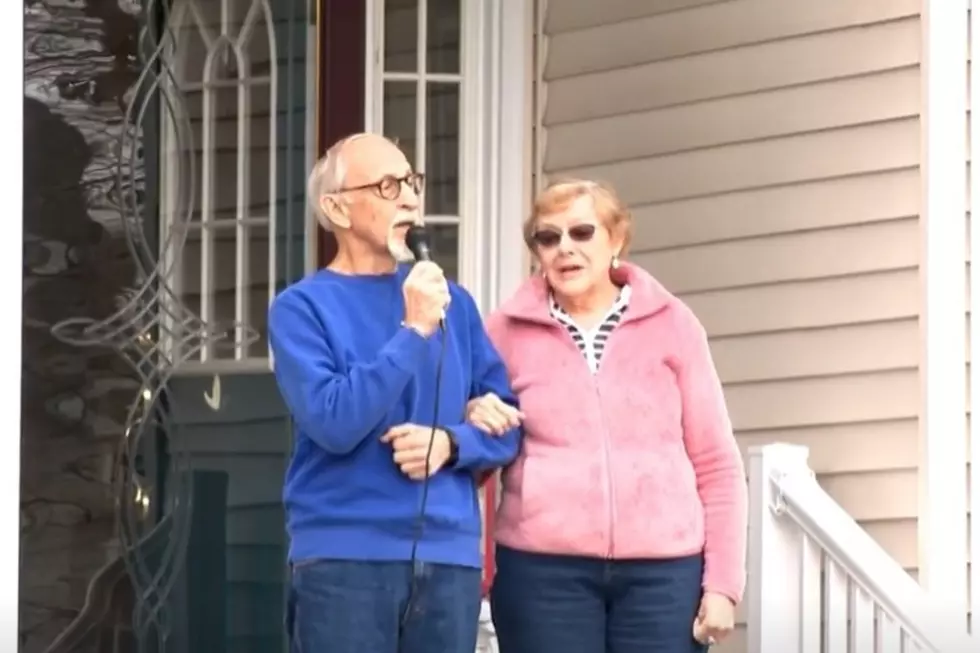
(340, 77)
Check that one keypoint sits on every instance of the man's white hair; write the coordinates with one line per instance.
(327, 177)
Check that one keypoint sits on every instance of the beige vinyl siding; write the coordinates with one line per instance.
(770, 151)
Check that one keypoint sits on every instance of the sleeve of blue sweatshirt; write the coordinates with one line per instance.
(336, 408)
(477, 449)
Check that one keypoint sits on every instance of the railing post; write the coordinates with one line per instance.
(942, 523)
(775, 569)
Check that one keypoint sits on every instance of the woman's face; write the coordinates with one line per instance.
(574, 249)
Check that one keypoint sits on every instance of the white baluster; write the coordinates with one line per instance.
(862, 614)
(835, 607)
(889, 634)
(811, 562)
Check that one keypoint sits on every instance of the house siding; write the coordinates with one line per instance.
(770, 152)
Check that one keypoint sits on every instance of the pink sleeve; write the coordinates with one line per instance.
(716, 459)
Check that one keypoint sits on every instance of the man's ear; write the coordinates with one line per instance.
(335, 208)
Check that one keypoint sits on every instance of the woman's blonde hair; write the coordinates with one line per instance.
(559, 195)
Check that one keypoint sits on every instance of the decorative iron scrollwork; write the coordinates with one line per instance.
(154, 331)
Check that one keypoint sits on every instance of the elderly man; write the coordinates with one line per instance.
(376, 360)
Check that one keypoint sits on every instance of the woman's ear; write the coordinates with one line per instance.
(618, 241)
(536, 269)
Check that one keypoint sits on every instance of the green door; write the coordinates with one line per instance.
(233, 584)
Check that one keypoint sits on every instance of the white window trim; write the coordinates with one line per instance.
(974, 181)
(167, 230)
(494, 135)
(943, 490)
(248, 364)
(12, 79)
(509, 260)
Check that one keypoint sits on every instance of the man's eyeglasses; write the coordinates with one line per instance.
(548, 238)
(389, 187)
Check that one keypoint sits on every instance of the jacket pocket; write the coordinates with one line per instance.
(561, 504)
(657, 506)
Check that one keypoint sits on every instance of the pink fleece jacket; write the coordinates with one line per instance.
(637, 461)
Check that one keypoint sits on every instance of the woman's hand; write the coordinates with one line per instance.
(715, 620)
(491, 414)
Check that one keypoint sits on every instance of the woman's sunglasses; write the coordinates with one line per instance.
(548, 238)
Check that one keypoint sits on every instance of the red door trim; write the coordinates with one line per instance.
(340, 84)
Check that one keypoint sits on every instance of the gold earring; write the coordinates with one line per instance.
(615, 262)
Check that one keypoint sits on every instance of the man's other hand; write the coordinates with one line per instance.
(410, 443)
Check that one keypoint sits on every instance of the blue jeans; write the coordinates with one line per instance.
(564, 604)
(339, 606)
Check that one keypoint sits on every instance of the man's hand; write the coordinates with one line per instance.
(426, 295)
(715, 620)
(491, 414)
(411, 442)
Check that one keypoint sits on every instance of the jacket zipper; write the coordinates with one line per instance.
(607, 463)
(606, 454)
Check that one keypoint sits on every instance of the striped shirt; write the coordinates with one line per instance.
(592, 342)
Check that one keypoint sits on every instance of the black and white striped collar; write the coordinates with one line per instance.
(617, 309)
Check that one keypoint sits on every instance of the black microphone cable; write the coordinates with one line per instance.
(417, 240)
(420, 517)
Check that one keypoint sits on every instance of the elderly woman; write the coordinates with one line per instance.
(622, 524)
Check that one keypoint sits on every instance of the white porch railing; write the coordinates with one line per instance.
(818, 583)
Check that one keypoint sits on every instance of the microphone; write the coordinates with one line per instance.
(417, 240)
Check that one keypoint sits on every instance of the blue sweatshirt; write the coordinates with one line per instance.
(348, 372)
